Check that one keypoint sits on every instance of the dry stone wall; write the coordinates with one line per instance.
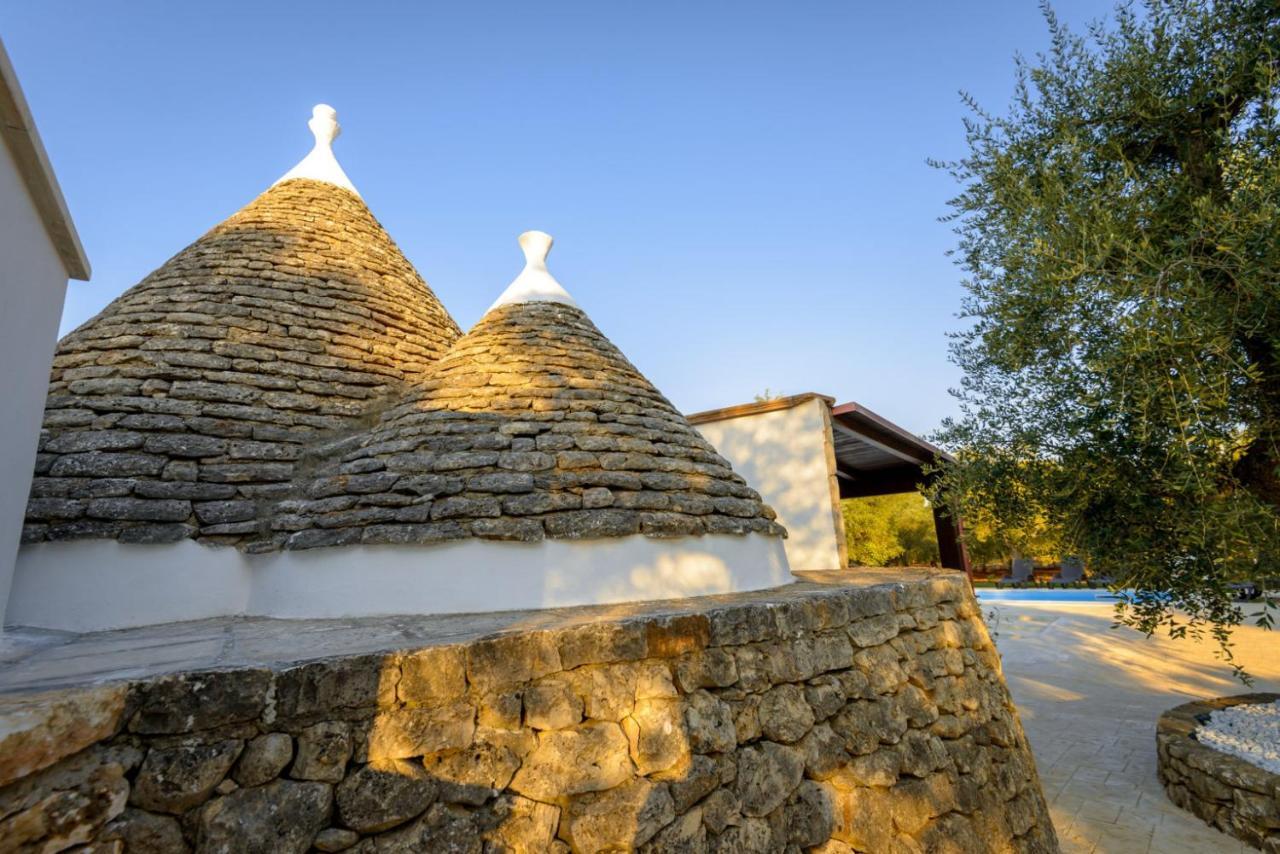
(816, 717)
(1229, 793)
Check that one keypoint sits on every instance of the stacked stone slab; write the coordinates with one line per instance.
(533, 425)
(182, 408)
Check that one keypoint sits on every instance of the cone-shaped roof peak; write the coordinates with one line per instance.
(535, 282)
(320, 164)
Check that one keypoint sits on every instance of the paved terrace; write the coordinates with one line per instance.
(1089, 697)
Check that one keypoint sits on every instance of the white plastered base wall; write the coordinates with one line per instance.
(93, 585)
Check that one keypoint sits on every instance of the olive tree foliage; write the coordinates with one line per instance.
(1120, 230)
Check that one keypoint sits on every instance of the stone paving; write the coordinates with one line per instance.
(1089, 697)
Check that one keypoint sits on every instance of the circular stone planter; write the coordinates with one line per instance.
(1233, 795)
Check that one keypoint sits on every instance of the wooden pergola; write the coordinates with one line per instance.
(874, 456)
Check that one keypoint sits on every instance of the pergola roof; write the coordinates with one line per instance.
(874, 456)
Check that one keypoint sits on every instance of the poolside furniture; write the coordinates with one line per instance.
(1020, 573)
(1244, 590)
(1071, 571)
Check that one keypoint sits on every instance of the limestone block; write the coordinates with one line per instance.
(38, 730)
(175, 779)
(709, 723)
(622, 818)
(810, 815)
(280, 818)
(767, 775)
(655, 735)
(143, 832)
(434, 675)
(824, 752)
(323, 752)
(339, 689)
(263, 759)
(198, 701)
(477, 773)
(383, 794)
(825, 696)
(503, 662)
(691, 779)
(602, 643)
(416, 731)
(587, 758)
(551, 703)
(333, 839)
(708, 668)
(63, 806)
(785, 716)
(524, 826)
(609, 692)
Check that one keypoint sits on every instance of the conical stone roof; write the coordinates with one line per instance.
(533, 426)
(182, 408)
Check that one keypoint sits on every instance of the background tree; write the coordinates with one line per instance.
(890, 530)
(1120, 227)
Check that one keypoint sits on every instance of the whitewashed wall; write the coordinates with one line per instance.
(33, 282)
(785, 456)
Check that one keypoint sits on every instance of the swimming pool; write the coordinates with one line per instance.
(1006, 594)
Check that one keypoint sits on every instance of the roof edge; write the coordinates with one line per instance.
(18, 129)
(864, 417)
(758, 407)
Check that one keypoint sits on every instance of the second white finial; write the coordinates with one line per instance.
(320, 164)
(324, 124)
(535, 282)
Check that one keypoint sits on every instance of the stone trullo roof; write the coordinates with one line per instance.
(181, 410)
(532, 426)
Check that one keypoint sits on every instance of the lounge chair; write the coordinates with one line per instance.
(1244, 590)
(1020, 573)
(1071, 571)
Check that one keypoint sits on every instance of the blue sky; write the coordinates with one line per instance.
(738, 191)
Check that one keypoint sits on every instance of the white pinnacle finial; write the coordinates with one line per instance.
(320, 164)
(535, 283)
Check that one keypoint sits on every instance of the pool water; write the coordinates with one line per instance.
(997, 594)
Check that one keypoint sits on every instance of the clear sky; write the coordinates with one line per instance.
(738, 191)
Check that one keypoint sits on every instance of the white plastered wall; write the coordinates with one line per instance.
(33, 283)
(92, 585)
(786, 456)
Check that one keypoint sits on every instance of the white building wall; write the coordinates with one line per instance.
(92, 585)
(33, 282)
(786, 456)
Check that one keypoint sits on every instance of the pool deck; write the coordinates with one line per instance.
(1089, 697)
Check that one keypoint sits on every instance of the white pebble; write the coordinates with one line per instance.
(1250, 731)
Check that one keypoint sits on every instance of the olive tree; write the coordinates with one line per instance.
(1119, 225)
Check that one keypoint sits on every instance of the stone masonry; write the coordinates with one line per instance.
(533, 425)
(1233, 795)
(184, 406)
(287, 382)
(822, 716)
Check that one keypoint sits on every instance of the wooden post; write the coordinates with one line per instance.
(951, 548)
